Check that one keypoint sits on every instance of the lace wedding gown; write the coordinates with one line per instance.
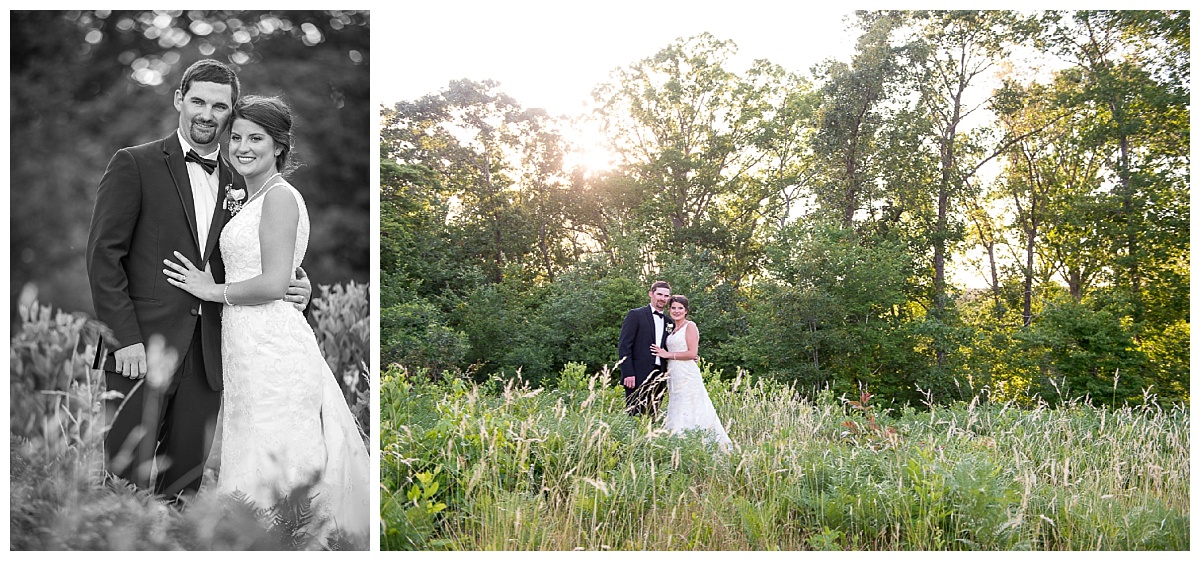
(284, 420)
(688, 404)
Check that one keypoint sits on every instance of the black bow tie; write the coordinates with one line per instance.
(659, 314)
(208, 165)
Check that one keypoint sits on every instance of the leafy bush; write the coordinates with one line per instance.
(52, 392)
(415, 333)
(341, 318)
(59, 496)
(1083, 352)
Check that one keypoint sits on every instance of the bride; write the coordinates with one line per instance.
(284, 421)
(688, 404)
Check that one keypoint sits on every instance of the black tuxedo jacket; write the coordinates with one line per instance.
(637, 334)
(144, 212)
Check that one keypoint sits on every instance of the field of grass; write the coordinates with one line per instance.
(59, 497)
(501, 466)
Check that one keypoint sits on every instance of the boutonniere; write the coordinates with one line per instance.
(669, 327)
(234, 198)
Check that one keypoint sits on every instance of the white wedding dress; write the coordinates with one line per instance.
(688, 404)
(284, 420)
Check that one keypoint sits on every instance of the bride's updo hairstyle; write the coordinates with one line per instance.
(682, 301)
(274, 116)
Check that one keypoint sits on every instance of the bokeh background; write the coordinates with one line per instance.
(86, 83)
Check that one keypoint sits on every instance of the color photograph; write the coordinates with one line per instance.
(760, 276)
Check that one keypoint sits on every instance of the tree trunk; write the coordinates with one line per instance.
(543, 246)
(1027, 289)
(998, 302)
(1131, 229)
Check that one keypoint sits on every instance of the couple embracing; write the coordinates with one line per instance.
(205, 252)
(657, 350)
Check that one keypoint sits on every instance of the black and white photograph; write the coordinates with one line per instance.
(190, 196)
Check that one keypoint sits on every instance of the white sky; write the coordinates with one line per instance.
(552, 54)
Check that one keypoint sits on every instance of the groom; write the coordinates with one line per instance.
(642, 372)
(154, 199)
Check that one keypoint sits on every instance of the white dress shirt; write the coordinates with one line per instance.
(658, 331)
(204, 191)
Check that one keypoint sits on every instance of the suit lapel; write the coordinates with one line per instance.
(650, 320)
(220, 215)
(173, 157)
(661, 341)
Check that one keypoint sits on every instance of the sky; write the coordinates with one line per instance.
(552, 54)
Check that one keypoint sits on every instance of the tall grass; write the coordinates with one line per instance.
(60, 497)
(502, 466)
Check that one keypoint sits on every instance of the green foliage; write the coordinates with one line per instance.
(416, 510)
(574, 378)
(705, 149)
(414, 333)
(717, 306)
(580, 318)
(1167, 354)
(508, 467)
(510, 327)
(817, 227)
(500, 320)
(499, 162)
(836, 314)
(1083, 352)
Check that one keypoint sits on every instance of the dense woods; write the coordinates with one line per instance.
(817, 218)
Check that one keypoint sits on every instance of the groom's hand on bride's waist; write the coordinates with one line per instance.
(299, 290)
(131, 361)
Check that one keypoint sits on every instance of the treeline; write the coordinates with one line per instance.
(815, 221)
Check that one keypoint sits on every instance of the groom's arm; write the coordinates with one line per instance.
(625, 345)
(118, 205)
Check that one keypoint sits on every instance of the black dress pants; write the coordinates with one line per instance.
(160, 436)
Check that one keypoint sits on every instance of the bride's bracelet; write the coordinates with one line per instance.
(225, 293)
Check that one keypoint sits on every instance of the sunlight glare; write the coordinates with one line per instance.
(590, 151)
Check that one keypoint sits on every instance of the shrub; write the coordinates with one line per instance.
(341, 319)
(59, 497)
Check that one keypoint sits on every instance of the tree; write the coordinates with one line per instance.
(1133, 86)
(502, 166)
(960, 47)
(701, 146)
(833, 312)
(850, 118)
(545, 188)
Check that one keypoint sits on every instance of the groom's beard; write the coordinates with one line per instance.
(203, 132)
